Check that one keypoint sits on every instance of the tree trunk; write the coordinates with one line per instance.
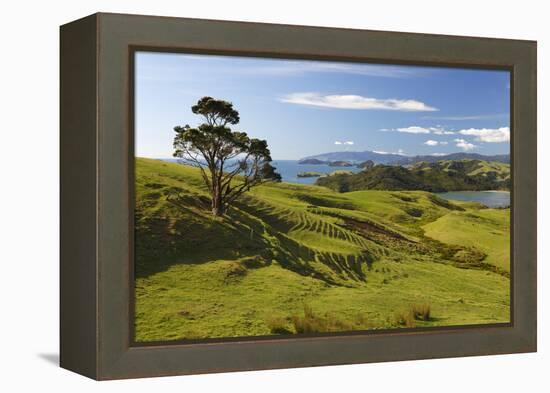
(217, 202)
(218, 211)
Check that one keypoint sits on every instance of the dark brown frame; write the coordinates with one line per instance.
(97, 195)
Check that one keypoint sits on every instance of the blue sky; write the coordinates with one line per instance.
(304, 107)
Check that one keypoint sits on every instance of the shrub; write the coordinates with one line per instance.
(421, 311)
(469, 256)
(416, 312)
(404, 319)
(234, 270)
(278, 325)
(253, 262)
(414, 212)
(315, 323)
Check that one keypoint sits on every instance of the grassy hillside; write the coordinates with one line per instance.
(491, 234)
(297, 259)
(498, 171)
(457, 175)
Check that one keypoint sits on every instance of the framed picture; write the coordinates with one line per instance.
(241, 196)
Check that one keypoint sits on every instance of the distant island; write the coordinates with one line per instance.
(312, 161)
(340, 163)
(310, 174)
(366, 165)
(323, 174)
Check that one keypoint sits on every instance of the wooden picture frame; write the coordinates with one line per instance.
(97, 206)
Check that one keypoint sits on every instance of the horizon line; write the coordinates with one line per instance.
(350, 151)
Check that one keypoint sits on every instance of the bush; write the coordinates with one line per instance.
(278, 325)
(314, 323)
(416, 312)
(405, 319)
(421, 311)
(414, 212)
(234, 270)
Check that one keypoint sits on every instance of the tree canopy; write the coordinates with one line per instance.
(230, 162)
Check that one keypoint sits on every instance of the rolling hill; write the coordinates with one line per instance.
(441, 176)
(291, 258)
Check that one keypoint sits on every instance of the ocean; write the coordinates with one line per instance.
(289, 170)
(487, 198)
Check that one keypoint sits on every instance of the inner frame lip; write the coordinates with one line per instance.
(280, 55)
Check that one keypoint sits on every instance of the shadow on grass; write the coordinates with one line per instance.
(163, 242)
(191, 235)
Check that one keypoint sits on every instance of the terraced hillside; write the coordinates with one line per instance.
(301, 259)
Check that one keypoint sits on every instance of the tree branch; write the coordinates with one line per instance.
(193, 158)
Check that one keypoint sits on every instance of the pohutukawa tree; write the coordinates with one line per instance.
(230, 162)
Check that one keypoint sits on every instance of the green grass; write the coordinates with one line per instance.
(485, 229)
(293, 258)
(503, 170)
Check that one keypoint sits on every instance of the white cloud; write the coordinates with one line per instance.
(292, 68)
(421, 130)
(438, 154)
(356, 102)
(337, 142)
(490, 135)
(464, 144)
(440, 131)
(431, 142)
(348, 143)
(400, 152)
(414, 130)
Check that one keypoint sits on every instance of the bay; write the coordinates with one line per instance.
(487, 198)
(289, 170)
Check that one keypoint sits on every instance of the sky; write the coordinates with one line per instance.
(303, 107)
